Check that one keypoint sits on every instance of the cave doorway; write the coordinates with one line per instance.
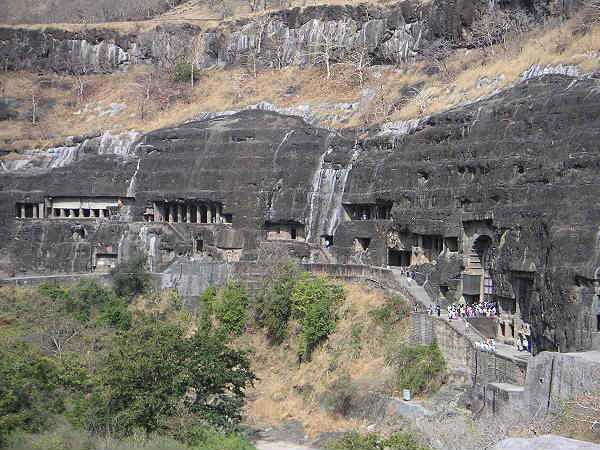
(598, 322)
(479, 268)
(398, 258)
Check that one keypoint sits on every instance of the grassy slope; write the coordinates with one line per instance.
(357, 348)
(220, 90)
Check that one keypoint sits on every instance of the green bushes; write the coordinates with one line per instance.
(227, 308)
(86, 301)
(312, 301)
(130, 278)
(393, 310)
(151, 370)
(419, 368)
(373, 441)
(315, 301)
(183, 72)
(27, 389)
(230, 306)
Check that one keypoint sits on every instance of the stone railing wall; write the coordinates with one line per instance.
(461, 354)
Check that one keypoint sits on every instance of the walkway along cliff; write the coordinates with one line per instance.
(495, 200)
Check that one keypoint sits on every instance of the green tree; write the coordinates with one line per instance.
(154, 370)
(314, 303)
(230, 307)
(419, 368)
(27, 386)
(130, 278)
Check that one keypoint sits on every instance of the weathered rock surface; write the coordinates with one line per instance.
(517, 170)
(548, 442)
(391, 34)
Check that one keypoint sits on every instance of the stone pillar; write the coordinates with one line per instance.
(188, 213)
(209, 213)
(102, 213)
(170, 212)
(42, 210)
(179, 213)
(22, 211)
(218, 213)
(35, 211)
(63, 212)
(156, 211)
(81, 212)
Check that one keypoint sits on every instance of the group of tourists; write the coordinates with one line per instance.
(522, 343)
(434, 310)
(481, 309)
(489, 345)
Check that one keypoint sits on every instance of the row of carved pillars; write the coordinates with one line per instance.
(79, 212)
(187, 212)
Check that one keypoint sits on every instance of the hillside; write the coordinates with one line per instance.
(45, 108)
(293, 179)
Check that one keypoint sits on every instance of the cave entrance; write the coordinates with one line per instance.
(398, 258)
(598, 322)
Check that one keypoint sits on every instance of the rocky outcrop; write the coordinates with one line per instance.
(388, 34)
(501, 191)
(548, 442)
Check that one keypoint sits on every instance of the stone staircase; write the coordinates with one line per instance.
(418, 292)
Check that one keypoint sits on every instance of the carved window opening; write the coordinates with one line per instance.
(326, 240)
(502, 328)
(523, 287)
(378, 211)
(199, 245)
(364, 243)
(398, 258)
(432, 246)
(106, 260)
(451, 244)
(28, 210)
(284, 231)
(444, 290)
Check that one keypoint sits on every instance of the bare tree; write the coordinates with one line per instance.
(322, 50)
(34, 95)
(588, 16)
(143, 88)
(490, 29)
(277, 52)
(360, 60)
(197, 52)
(168, 48)
(437, 55)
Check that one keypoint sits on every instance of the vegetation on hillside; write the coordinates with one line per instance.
(374, 441)
(81, 11)
(81, 362)
(154, 99)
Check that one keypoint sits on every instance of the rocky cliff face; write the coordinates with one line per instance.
(389, 34)
(494, 200)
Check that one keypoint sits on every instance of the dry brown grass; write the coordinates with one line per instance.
(287, 391)
(221, 90)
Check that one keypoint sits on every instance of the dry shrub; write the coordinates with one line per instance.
(587, 17)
